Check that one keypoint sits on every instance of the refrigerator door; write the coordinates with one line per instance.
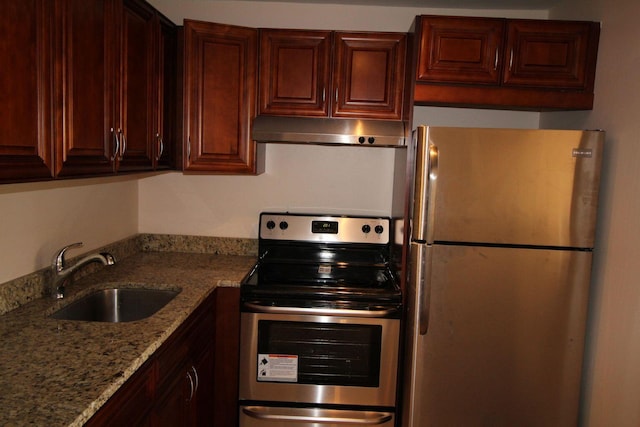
(504, 341)
(507, 186)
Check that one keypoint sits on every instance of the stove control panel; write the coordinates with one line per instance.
(324, 228)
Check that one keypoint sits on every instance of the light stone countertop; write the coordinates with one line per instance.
(59, 373)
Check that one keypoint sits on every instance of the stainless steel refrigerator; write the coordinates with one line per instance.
(500, 253)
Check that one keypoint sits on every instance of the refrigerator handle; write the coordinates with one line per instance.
(425, 179)
(421, 256)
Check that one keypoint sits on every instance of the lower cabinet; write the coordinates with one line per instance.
(187, 382)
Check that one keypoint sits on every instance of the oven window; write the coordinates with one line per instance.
(325, 353)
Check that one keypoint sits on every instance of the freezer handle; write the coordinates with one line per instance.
(421, 255)
(424, 189)
(316, 415)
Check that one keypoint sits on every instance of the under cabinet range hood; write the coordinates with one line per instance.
(311, 130)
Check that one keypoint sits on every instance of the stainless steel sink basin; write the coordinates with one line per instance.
(117, 305)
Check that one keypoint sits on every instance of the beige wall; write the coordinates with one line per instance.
(613, 370)
(37, 219)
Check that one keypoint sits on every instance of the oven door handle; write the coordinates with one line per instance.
(316, 415)
(259, 308)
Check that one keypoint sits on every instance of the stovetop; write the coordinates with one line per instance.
(322, 260)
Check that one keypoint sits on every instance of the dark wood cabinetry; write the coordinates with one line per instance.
(504, 63)
(551, 54)
(339, 74)
(26, 116)
(219, 98)
(147, 88)
(369, 75)
(86, 44)
(460, 50)
(112, 82)
(192, 378)
(295, 72)
(137, 84)
(88, 87)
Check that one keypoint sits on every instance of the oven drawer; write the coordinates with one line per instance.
(320, 359)
(262, 416)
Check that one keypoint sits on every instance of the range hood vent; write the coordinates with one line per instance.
(311, 130)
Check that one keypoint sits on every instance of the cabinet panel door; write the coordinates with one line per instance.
(553, 54)
(165, 131)
(87, 143)
(137, 85)
(460, 50)
(294, 72)
(220, 95)
(26, 117)
(369, 75)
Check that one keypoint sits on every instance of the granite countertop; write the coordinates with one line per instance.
(59, 373)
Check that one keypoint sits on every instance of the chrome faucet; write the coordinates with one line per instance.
(60, 273)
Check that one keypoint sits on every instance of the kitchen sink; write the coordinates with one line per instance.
(117, 305)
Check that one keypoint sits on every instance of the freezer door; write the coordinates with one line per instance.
(509, 186)
(504, 342)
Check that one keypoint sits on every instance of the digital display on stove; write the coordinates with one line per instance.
(326, 227)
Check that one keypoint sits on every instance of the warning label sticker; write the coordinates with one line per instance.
(278, 367)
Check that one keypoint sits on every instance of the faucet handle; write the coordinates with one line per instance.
(58, 259)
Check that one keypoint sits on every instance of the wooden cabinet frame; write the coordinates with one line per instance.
(219, 98)
(338, 74)
(505, 63)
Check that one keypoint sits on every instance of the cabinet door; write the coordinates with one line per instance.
(131, 404)
(202, 346)
(294, 72)
(172, 400)
(87, 141)
(136, 86)
(227, 356)
(26, 117)
(460, 50)
(220, 93)
(166, 104)
(552, 54)
(369, 75)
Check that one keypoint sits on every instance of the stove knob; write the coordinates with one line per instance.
(371, 140)
(366, 228)
(271, 225)
(361, 140)
(284, 225)
(379, 229)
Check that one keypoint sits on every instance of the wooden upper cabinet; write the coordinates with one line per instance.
(461, 50)
(295, 69)
(369, 75)
(84, 88)
(26, 118)
(87, 142)
(137, 87)
(505, 63)
(165, 116)
(219, 97)
(325, 73)
(553, 54)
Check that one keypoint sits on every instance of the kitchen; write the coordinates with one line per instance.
(39, 218)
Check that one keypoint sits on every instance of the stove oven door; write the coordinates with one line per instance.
(262, 416)
(318, 359)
